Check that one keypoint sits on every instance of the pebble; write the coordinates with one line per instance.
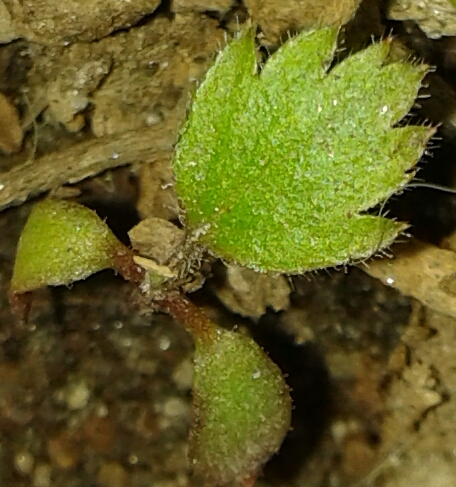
(77, 395)
(63, 451)
(175, 407)
(174, 413)
(42, 475)
(100, 433)
(164, 343)
(112, 474)
(24, 462)
(183, 375)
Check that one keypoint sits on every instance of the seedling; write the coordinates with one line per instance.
(276, 169)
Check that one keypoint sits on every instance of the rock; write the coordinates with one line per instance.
(55, 22)
(436, 18)
(76, 395)
(418, 430)
(63, 451)
(277, 18)
(42, 475)
(250, 293)
(24, 462)
(179, 6)
(80, 71)
(154, 70)
(156, 238)
(183, 375)
(112, 474)
(8, 31)
(176, 408)
(157, 194)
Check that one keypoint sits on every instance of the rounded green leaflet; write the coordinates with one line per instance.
(242, 408)
(276, 170)
(63, 242)
(242, 404)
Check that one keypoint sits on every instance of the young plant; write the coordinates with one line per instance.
(242, 405)
(276, 169)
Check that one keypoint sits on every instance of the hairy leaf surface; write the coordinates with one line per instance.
(276, 170)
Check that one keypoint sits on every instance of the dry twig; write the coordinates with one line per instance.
(82, 161)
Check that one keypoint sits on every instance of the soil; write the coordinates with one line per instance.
(96, 389)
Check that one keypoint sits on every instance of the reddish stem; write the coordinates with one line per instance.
(20, 304)
(125, 265)
(189, 315)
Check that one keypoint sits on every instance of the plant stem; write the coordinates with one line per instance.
(127, 267)
(189, 315)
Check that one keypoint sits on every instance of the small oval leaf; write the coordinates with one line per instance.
(242, 408)
(242, 404)
(62, 242)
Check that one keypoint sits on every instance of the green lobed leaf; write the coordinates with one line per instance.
(275, 170)
(62, 242)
